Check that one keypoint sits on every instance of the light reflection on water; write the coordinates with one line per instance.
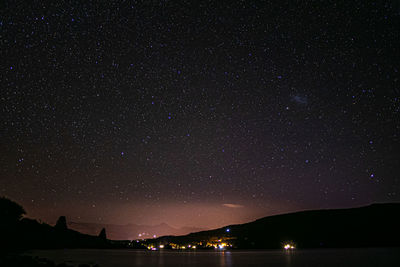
(236, 258)
(225, 259)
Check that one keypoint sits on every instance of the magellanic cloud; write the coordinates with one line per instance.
(234, 206)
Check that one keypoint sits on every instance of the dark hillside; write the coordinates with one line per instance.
(376, 225)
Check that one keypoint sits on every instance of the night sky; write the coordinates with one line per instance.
(198, 113)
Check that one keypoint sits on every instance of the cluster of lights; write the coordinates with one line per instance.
(288, 246)
(189, 246)
(221, 245)
(178, 247)
(217, 244)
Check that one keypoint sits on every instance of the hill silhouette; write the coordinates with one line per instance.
(131, 231)
(19, 233)
(376, 225)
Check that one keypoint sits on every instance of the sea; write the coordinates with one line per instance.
(366, 257)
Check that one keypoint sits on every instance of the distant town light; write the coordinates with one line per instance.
(228, 230)
(161, 246)
(222, 245)
(288, 246)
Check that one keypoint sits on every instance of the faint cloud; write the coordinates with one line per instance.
(233, 206)
(300, 99)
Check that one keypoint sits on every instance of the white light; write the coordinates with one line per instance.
(288, 246)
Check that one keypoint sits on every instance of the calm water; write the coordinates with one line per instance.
(328, 257)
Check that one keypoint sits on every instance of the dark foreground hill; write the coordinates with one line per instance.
(377, 225)
(131, 231)
(372, 226)
(17, 233)
(29, 234)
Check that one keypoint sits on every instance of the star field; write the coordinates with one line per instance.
(198, 113)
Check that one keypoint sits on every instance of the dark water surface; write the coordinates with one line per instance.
(318, 258)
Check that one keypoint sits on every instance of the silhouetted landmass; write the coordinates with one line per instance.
(130, 231)
(372, 226)
(376, 225)
(61, 223)
(28, 234)
(21, 234)
(10, 212)
(102, 234)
